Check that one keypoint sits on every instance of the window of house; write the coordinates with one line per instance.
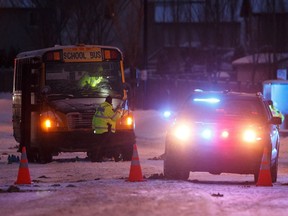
(183, 12)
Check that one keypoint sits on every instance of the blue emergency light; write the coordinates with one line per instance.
(206, 133)
(167, 114)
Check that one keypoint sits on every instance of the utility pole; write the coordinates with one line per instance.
(145, 53)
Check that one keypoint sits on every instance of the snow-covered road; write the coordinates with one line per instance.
(71, 185)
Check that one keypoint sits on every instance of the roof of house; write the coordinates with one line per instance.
(260, 58)
(16, 4)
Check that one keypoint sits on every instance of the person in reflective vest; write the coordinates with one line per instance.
(104, 127)
(275, 111)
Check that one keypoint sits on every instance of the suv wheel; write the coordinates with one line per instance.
(172, 171)
(174, 167)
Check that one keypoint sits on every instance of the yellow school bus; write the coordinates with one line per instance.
(56, 91)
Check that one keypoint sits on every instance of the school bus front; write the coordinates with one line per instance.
(70, 83)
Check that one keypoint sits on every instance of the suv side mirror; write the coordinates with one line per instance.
(276, 120)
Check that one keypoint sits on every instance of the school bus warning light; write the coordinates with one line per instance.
(111, 54)
(53, 56)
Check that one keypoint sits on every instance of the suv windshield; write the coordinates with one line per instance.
(210, 107)
(84, 79)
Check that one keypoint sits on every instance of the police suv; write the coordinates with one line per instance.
(222, 132)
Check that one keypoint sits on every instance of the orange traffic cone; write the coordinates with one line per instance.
(135, 169)
(23, 172)
(264, 178)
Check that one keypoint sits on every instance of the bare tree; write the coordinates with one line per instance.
(89, 22)
(69, 21)
(128, 24)
(265, 26)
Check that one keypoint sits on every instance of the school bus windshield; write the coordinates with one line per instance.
(89, 79)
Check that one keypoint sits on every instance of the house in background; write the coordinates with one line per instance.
(192, 37)
(240, 41)
(258, 67)
(265, 30)
(19, 30)
(245, 39)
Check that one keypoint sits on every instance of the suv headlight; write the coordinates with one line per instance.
(249, 135)
(182, 132)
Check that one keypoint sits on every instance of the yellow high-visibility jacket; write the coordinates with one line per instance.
(103, 117)
(276, 112)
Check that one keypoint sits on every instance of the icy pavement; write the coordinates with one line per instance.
(72, 185)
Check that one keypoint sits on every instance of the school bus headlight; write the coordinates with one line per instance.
(50, 121)
(126, 122)
(47, 123)
(129, 120)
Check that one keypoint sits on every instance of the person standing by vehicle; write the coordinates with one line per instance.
(275, 111)
(103, 125)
